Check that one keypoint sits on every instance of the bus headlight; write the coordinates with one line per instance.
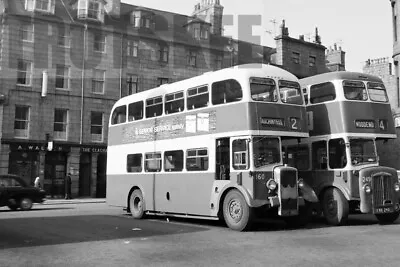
(271, 184)
(300, 183)
(367, 189)
(396, 187)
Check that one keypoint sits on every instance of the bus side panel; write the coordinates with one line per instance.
(119, 186)
(188, 193)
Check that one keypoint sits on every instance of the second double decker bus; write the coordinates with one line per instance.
(348, 112)
(209, 147)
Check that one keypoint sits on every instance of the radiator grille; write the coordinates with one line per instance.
(382, 189)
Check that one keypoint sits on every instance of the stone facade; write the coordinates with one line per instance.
(65, 58)
(389, 152)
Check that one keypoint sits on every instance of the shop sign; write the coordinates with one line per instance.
(93, 149)
(35, 147)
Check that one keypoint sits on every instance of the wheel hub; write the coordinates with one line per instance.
(235, 210)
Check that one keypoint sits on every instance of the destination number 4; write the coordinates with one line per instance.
(294, 123)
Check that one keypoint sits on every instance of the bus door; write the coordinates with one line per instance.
(222, 168)
(321, 175)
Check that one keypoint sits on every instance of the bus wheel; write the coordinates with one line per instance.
(335, 206)
(136, 204)
(237, 214)
(387, 218)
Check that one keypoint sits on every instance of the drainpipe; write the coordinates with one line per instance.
(121, 65)
(83, 82)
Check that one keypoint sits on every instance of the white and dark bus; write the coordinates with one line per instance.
(348, 113)
(209, 147)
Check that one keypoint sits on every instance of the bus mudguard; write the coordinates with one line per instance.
(307, 192)
(220, 187)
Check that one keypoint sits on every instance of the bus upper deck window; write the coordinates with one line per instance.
(119, 115)
(263, 89)
(174, 103)
(322, 92)
(197, 97)
(354, 90)
(226, 91)
(377, 92)
(135, 111)
(154, 107)
(290, 92)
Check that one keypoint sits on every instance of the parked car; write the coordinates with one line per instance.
(15, 193)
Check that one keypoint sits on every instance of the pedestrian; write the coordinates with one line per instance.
(37, 182)
(68, 186)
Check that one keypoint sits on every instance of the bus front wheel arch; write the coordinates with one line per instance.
(237, 214)
(137, 205)
(335, 206)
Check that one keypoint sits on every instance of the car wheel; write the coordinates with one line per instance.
(13, 207)
(25, 203)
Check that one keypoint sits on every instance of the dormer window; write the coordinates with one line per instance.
(198, 28)
(91, 9)
(142, 18)
(40, 5)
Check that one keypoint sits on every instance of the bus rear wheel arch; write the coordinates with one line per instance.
(136, 204)
(238, 215)
(335, 206)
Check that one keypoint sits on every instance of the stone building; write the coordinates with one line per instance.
(389, 152)
(64, 63)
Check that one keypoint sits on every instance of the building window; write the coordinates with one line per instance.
(96, 126)
(27, 32)
(197, 33)
(24, 72)
(135, 20)
(21, 123)
(163, 53)
(62, 77)
(91, 9)
(204, 33)
(60, 124)
(132, 48)
(296, 57)
(99, 43)
(218, 62)
(311, 61)
(98, 81)
(132, 83)
(40, 5)
(161, 81)
(192, 58)
(64, 37)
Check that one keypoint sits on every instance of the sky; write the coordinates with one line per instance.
(362, 28)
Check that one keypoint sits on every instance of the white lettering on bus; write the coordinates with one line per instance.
(159, 129)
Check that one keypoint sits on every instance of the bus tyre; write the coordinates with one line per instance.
(237, 213)
(387, 218)
(335, 206)
(136, 204)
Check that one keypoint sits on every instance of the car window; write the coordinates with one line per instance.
(7, 182)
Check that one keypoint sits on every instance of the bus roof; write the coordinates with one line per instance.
(338, 75)
(244, 71)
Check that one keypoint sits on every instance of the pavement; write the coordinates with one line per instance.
(55, 201)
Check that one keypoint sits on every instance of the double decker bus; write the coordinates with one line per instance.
(209, 147)
(348, 113)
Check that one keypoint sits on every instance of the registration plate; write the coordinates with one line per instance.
(384, 210)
